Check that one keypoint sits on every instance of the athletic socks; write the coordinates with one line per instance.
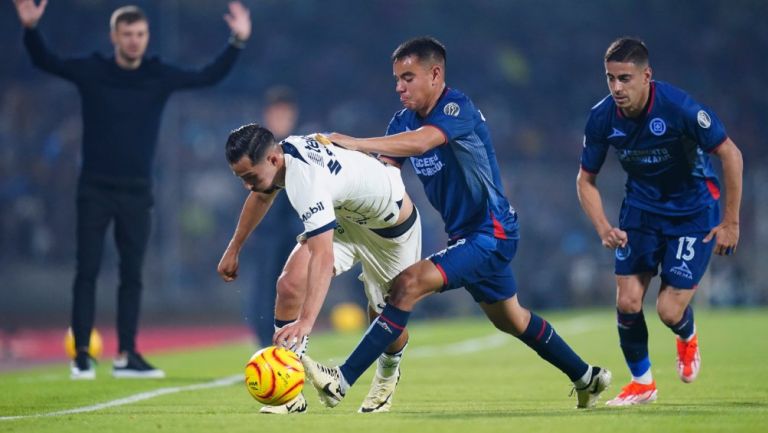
(633, 338)
(389, 362)
(685, 328)
(542, 338)
(382, 332)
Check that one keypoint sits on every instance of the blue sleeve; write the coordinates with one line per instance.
(594, 148)
(701, 124)
(209, 75)
(395, 127)
(454, 117)
(43, 58)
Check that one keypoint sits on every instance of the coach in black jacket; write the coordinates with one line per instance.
(122, 97)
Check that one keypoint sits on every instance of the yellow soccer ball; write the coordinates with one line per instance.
(348, 317)
(95, 346)
(274, 376)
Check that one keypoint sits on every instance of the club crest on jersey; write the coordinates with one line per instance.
(622, 253)
(452, 109)
(704, 120)
(657, 126)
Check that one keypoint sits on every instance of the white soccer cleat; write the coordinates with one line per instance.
(326, 380)
(635, 393)
(589, 395)
(379, 398)
(297, 405)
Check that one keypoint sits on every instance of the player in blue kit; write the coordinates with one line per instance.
(450, 148)
(670, 216)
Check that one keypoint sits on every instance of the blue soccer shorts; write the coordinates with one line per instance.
(672, 243)
(480, 264)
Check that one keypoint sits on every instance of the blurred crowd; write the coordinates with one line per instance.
(533, 70)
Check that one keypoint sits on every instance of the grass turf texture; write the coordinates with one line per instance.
(489, 383)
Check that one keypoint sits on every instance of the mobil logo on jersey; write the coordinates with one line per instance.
(312, 210)
(427, 165)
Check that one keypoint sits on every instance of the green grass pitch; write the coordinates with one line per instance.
(458, 376)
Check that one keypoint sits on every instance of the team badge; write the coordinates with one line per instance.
(704, 120)
(622, 253)
(452, 109)
(657, 126)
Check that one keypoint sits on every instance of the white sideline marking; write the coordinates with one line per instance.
(226, 381)
(571, 327)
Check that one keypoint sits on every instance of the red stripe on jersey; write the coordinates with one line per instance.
(442, 272)
(713, 189)
(498, 229)
(653, 97)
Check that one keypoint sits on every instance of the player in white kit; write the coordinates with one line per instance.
(354, 208)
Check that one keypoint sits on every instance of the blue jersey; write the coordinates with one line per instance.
(664, 151)
(461, 176)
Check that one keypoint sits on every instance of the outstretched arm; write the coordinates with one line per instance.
(409, 143)
(592, 203)
(727, 232)
(29, 15)
(255, 207)
(239, 21)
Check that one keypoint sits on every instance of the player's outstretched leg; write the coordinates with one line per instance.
(589, 395)
(328, 381)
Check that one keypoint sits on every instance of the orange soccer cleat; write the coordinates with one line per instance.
(635, 393)
(688, 359)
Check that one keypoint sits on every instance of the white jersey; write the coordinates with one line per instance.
(326, 182)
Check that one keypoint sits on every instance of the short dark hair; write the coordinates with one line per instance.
(252, 140)
(126, 14)
(627, 50)
(425, 48)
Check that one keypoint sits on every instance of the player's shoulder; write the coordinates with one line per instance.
(457, 97)
(673, 99)
(454, 103)
(600, 113)
(298, 145)
(669, 92)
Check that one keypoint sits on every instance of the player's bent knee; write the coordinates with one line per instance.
(669, 314)
(406, 290)
(289, 290)
(629, 305)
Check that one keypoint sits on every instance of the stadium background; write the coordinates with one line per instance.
(534, 68)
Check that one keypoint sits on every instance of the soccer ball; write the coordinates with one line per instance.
(95, 346)
(274, 376)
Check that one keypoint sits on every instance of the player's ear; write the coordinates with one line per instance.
(648, 73)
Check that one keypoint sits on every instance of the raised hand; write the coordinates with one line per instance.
(29, 12)
(239, 20)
